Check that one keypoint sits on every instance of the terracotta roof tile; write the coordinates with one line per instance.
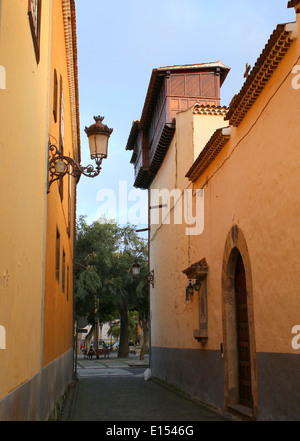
(133, 135)
(201, 109)
(277, 46)
(208, 154)
(75, 58)
(69, 17)
(294, 4)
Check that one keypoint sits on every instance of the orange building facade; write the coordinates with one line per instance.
(38, 107)
(61, 199)
(63, 118)
(224, 306)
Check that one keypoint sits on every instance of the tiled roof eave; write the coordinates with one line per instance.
(294, 4)
(69, 17)
(201, 109)
(162, 147)
(132, 136)
(133, 158)
(143, 179)
(208, 154)
(274, 51)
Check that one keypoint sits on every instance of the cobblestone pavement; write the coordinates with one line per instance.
(115, 390)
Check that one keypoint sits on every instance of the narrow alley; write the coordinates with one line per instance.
(150, 204)
(114, 389)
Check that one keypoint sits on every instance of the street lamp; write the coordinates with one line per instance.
(136, 268)
(60, 165)
(98, 135)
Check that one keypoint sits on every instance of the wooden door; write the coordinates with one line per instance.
(243, 346)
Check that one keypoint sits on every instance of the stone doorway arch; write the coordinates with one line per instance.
(235, 249)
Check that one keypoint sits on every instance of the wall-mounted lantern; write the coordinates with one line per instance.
(197, 275)
(60, 165)
(189, 291)
(191, 288)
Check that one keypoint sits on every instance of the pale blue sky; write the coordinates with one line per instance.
(120, 42)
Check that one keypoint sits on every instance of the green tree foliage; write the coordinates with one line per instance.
(104, 256)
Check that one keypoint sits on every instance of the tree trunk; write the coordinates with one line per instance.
(123, 346)
(88, 339)
(145, 346)
(96, 337)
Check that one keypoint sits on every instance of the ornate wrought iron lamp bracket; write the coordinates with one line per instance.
(150, 278)
(60, 165)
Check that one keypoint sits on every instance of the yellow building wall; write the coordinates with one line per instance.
(258, 190)
(58, 305)
(256, 186)
(251, 201)
(23, 147)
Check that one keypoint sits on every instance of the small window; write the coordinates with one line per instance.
(68, 275)
(55, 91)
(2, 337)
(61, 188)
(34, 14)
(69, 201)
(63, 275)
(57, 255)
(2, 78)
(61, 133)
(61, 116)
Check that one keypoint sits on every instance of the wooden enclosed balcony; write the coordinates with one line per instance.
(171, 90)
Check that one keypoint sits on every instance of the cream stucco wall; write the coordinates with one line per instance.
(173, 320)
(254, 184)
(257, 189)
(251, 203)
(23, 153)
(204, 127)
